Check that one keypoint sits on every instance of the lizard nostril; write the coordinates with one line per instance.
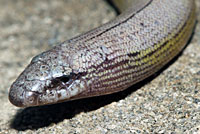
(30, 98)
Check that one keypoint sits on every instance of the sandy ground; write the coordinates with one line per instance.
(167, 102)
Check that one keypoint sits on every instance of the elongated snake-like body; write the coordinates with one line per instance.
(110, 58)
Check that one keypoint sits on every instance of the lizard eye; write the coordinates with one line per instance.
(64, 78)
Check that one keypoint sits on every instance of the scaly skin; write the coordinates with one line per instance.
(110, 58)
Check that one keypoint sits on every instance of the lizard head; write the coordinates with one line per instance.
(47, 79)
